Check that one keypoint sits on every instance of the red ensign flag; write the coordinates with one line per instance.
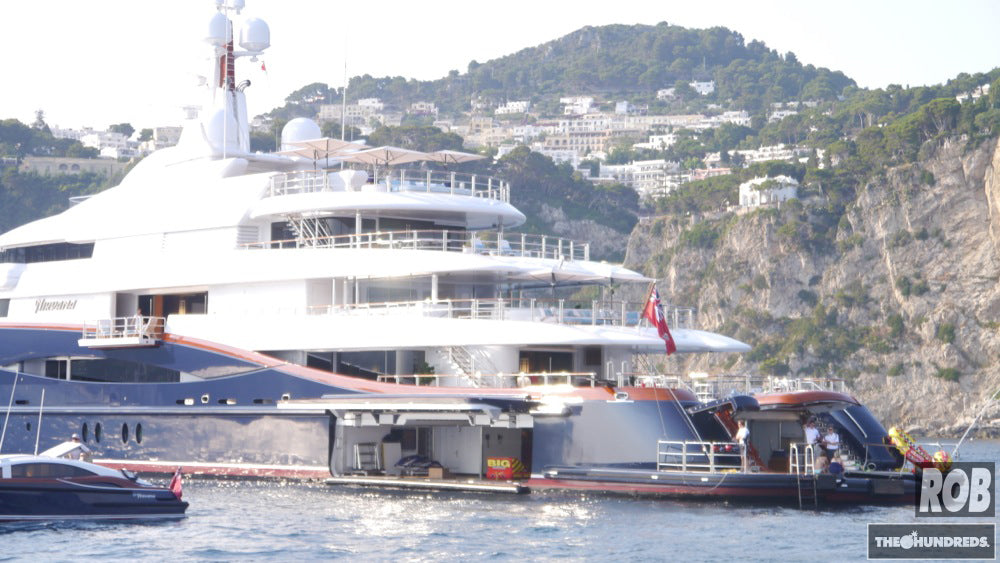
(654, 312)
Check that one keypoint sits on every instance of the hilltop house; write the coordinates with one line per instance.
(763, 191)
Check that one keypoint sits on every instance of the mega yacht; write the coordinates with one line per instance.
(234, 312)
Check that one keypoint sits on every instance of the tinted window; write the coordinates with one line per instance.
(48, 470)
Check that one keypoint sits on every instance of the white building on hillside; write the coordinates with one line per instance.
(703, 88)
(520, 106)
(763, 191)
(423, 108)
(665, 93)
(111, 144)
(657, 142)
(577, 105)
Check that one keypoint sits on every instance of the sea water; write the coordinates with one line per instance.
(303, 521)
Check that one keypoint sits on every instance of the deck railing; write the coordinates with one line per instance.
(500, 380)
(558, 311)
(123, 327)
(711, 457)
(400, 180)
(492, 243)
(708, 387)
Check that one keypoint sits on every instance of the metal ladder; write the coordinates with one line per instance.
(805, 475)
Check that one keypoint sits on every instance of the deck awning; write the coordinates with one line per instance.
(421, 410)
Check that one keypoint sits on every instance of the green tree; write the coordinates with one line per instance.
(123, 128)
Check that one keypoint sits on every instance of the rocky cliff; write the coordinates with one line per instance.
(899, 293)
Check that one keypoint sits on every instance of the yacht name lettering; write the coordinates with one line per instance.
(46, 305)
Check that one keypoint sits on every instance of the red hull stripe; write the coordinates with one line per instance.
(218, 469)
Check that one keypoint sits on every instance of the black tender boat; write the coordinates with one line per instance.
(52, 486)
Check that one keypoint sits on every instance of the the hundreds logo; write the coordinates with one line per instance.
(46, 305)
(915, 540)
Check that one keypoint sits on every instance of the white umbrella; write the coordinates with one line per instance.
(384, 156)
(324, 147)
(447, 157)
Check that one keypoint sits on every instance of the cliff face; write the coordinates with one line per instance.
(903, 299)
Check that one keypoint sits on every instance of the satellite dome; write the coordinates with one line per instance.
(219, 30)
(299, 129)
(255, 35)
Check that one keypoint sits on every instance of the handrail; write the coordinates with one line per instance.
(469, 242)
(401, 180)
(697, 456)
(724, 384)
(123, 327)
(557, 311)
(502, 380)
(808, 465)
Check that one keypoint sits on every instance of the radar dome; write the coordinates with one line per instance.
(299, 129)
(219, 30)
(255, 35)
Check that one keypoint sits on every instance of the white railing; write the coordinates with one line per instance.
(685, 455)
(557, 311)
(401, 180)
(803, 463)
(500, 380)
(123, 327)
(714, 386)
(492, 243)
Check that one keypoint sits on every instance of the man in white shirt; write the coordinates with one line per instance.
(831, 441)
(742, 438)
(812, 434)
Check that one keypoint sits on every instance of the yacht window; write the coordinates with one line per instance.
(56, 369)
(48, 470)
(119, 371)
(47, 252)
(4, 307)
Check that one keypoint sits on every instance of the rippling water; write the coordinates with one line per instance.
(306, 521)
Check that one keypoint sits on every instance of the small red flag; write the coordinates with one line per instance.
(263, 66)
(654, 312)
(175, 484)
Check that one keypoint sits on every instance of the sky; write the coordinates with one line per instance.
(111, 61)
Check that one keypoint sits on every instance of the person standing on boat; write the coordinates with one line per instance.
(812, 435)
(83, 452)
(742, 438)
(137, 322)
(831, 441)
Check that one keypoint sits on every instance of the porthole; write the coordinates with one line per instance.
(204, 399)
(97, 432)
(286, 396)
(138, 433)
(85, 432)
(124, 433)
